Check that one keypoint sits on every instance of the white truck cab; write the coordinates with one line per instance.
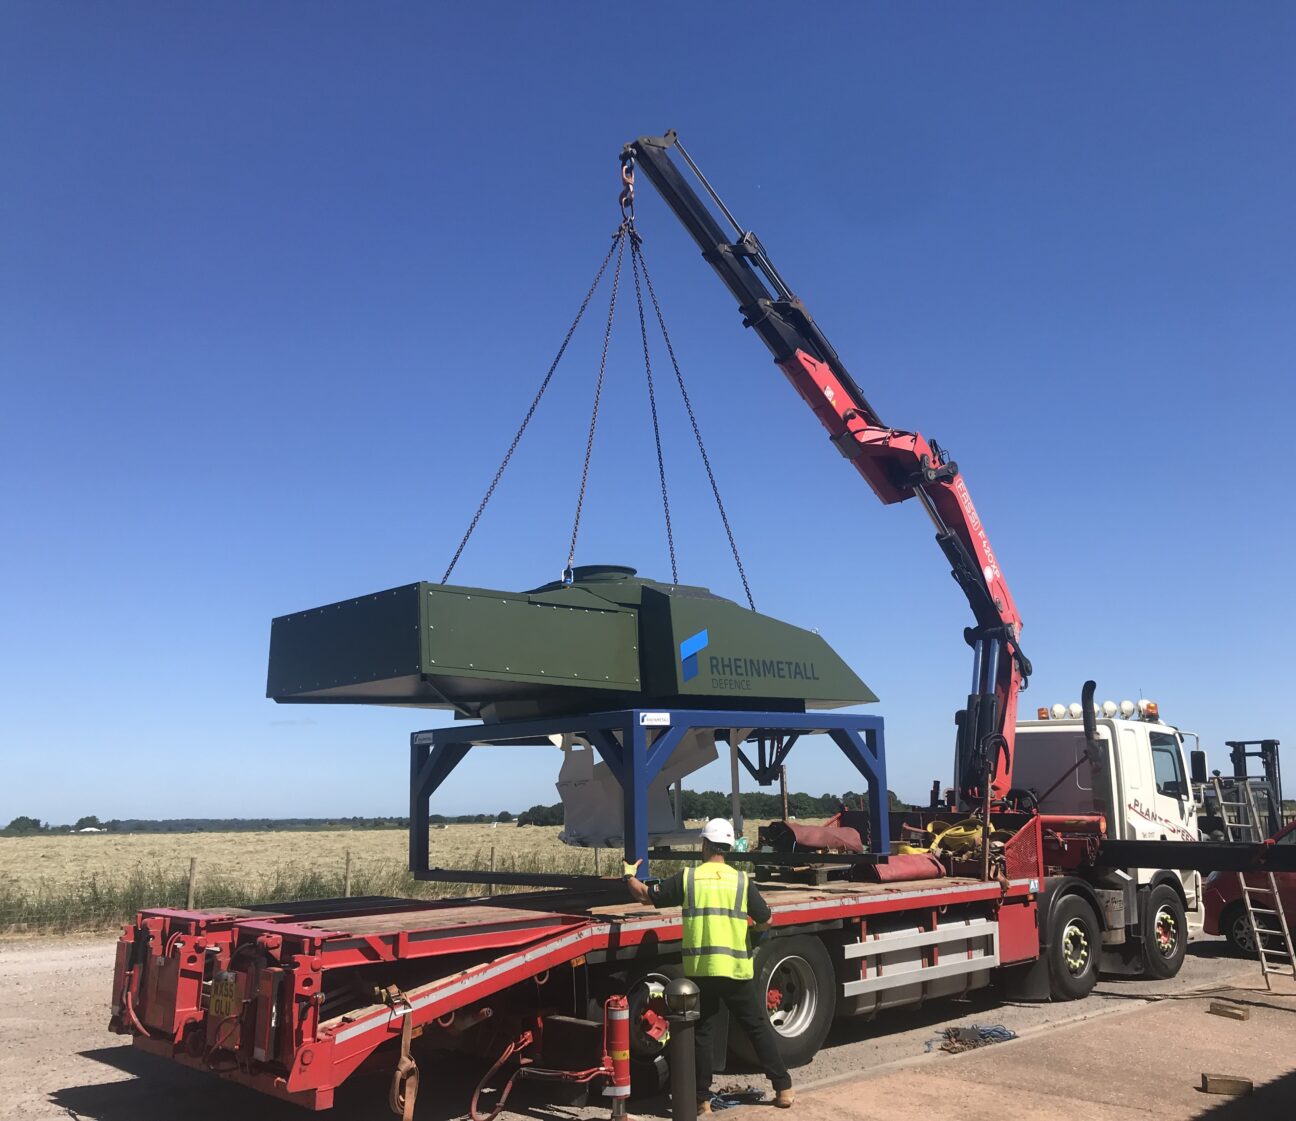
(1140, 784)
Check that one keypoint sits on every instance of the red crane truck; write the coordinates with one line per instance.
(292, 1000)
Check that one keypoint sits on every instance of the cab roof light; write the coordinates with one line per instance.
(1041, 713)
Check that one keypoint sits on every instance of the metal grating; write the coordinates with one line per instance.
(1022, 854)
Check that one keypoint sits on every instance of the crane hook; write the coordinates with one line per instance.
(626, 198)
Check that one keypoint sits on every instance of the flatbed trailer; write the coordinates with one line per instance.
(293, 1000)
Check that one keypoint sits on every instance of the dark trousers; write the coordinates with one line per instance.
(742, 998)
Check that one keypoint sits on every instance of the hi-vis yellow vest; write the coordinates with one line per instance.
(715, 923)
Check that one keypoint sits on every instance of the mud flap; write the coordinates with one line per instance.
(1027, 982)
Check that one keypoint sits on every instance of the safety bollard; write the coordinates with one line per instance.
(683, 1000)
(616, 1014)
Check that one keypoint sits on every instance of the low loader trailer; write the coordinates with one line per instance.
(292, 1000)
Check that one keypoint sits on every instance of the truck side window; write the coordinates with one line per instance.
(1167, 765)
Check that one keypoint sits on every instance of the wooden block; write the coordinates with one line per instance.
(1226, 1084)
(1229, 1011)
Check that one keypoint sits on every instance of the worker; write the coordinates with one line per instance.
(717, 903)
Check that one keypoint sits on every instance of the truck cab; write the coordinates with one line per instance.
(1139, 781)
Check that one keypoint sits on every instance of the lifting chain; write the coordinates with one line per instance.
(652, 406)
(626, 232)
(535, 401)
(697, 431)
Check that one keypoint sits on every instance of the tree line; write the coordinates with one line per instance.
(698, 804)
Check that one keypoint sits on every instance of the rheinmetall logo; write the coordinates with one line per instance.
(690, 648)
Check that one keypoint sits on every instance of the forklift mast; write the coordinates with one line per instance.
(1266, 751)
(896, 464)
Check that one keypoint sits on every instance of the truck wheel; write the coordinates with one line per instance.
(1165, 932)
(796, 981)
(1074, 943)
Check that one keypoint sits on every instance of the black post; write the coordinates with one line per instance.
(682, 1002)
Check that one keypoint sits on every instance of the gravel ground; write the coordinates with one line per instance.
(57, 1059)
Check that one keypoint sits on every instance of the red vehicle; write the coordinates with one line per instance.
(1225, 913)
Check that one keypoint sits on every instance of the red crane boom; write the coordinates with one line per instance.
(897, 465)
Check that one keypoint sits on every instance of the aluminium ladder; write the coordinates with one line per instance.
(1272, 942)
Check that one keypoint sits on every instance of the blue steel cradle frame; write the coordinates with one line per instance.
(647, 739)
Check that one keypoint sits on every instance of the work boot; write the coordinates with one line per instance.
(704, 1104)
(784, 1098)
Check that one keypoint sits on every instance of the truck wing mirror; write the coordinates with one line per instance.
(1197, 765)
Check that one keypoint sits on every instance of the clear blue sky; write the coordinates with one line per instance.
(277, 282)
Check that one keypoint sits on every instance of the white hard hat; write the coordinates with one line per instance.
(718, 831)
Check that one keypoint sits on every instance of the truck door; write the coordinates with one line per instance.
(1173, 804)
(1173, 799)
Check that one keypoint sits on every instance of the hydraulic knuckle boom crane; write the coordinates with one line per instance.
(896, 464)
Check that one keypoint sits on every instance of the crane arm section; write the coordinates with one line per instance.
(896, 464)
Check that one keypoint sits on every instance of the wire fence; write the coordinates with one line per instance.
(100, 901)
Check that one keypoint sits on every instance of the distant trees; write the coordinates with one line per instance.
(698, 805)
(542, 815)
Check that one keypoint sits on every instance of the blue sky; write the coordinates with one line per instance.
(278, 281)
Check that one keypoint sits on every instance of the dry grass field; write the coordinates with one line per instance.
(72, 882)
(67, 858)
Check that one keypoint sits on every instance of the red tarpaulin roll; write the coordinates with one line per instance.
(907, 866)
(788, 836)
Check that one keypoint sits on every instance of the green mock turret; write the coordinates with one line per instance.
(608, 640)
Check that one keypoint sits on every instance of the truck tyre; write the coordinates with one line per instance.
(795, 978)
(1165, 932)
(1074, 944)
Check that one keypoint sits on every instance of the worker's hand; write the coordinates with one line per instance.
(629, 869)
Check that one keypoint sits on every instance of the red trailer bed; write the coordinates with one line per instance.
(292, 999)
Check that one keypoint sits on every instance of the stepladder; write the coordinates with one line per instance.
(1266, 918)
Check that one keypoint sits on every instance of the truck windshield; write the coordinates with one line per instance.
(1043, 758)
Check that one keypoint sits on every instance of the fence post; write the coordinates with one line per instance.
(193, 877)
(490, 888)
(346, 876)
(596, 861)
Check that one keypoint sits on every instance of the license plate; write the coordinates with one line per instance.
(224, 999)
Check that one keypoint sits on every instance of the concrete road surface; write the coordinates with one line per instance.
(1132, 1050)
